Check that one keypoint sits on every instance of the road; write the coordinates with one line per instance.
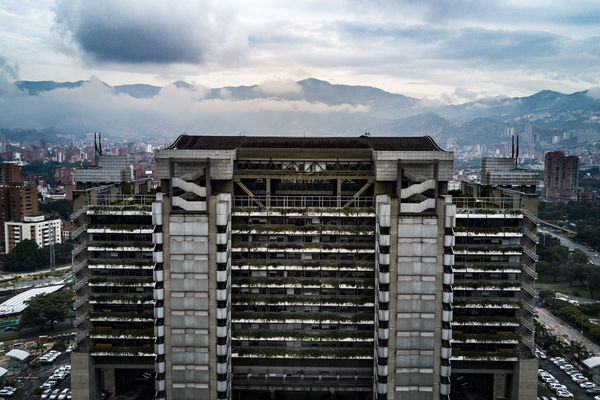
(593, 255)
(560, 328)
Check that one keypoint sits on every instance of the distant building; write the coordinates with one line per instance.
(64, 175)
(43, 231)
(16, 201)
(10, 174)
(561, 176)
(587, 194)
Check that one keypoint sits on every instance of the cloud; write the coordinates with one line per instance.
(280, 87)
(95, 106)
(139, 31)
(594, 93)
(10, 71)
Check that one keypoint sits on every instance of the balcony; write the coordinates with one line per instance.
(382, 370)
(445, 370)
(158, 275)
(383, 315)
(447, 297)
(384, 296)
(160, 367)
(446, 352)
(305, 205)
(383, 333)
(448, 278)
(446, 316)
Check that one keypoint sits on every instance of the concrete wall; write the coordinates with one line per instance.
(416, 307)
(83, 382)
(188, 303)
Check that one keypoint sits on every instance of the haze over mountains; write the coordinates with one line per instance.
(309, 107)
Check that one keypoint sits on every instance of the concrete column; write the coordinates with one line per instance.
(524, 386)
(212, 293)
(393, 296)
(499, 386)
(83, 379)
(268, 192)
(108, 380)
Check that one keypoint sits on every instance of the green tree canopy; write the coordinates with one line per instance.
(47, 309)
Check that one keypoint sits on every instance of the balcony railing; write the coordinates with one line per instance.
(121, 202)
(303, 202)
(493, 204)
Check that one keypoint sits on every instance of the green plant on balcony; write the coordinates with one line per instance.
(146, 314)
(303, 335)
(109, 331)
(484, 319)
(308, 353)
(135, 350)
(261, 282)
(262, 316)
(122, 281)
(485, 337)
(122, 299)
(120, 227)
(258, 299)
(484, 355)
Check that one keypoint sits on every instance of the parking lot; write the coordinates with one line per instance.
(31, 380)
(564, 379)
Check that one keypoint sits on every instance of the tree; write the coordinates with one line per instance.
(594, 282)
(578, 257)
(63, 208)
(46, 309)
(26, 256)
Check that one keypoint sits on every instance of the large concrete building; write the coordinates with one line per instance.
(284, 267)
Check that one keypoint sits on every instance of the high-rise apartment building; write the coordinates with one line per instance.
(561, 176)
(282, 267)
(16, 200)
(10, 174)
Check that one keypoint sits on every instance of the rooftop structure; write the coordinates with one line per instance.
(108, 169)
(16, 304)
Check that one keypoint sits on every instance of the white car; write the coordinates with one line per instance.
(54, 394)
(564, 393)
(63, 395)
(46, 394)
(586, 385)
(566, 367)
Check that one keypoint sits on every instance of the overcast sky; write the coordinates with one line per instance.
(451, 50)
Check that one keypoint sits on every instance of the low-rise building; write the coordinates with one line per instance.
(43, 231)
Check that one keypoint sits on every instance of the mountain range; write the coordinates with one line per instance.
(309, 106)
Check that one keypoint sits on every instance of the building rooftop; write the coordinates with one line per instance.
(188, 142)
(20, 355)
(16, 304)
(592, 362)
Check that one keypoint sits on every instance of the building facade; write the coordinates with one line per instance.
(16, 200)
(279, 267)
(561, 176)
(37, 228)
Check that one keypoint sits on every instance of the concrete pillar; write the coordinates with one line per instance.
(108, 380)
(524, 382)
(499, 386)
(83, 379)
